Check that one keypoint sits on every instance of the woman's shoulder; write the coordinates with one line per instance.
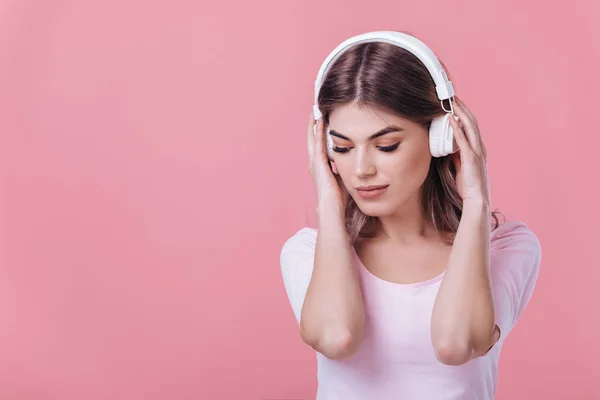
(300, 243)
(508, 234)
(305, 235)
(514, 234)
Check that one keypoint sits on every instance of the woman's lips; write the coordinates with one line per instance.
(371, 193)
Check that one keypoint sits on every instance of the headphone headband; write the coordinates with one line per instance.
(443, 86)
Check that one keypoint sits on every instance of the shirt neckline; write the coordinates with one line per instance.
(428, 282)
(365, 272)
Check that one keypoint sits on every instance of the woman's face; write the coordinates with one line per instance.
(374, 147)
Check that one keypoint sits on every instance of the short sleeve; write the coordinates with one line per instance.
(515, 258)
(296, 261)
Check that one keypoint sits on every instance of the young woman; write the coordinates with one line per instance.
(410, 284)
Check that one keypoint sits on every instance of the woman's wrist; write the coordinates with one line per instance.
(476, 212)
(476, 206)
(330, 208)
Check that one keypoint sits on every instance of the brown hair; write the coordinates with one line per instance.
(384, 76)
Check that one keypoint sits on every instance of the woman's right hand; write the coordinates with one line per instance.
(330, 189)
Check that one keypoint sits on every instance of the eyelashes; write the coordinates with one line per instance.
(385, 149)
(340, 149)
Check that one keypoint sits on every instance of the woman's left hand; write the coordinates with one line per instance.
(470, 160)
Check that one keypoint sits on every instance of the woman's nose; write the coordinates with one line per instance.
(364, 166)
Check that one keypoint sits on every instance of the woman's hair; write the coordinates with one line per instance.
(385, 76)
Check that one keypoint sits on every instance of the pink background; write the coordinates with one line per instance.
(153, 162)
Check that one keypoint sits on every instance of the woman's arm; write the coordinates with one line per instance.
(463, 321)
(332, 319)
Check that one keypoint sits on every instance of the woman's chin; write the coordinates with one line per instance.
(374, 209)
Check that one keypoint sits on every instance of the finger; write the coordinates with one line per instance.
(310, 135)
(469, 130)
(474, 122)
(461, 139)
(465, 108)
(320, 139)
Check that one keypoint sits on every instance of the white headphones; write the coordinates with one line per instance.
(441, 141)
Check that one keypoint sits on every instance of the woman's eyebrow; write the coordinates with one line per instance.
(387, 129)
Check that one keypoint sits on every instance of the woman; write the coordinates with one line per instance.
(410, 284)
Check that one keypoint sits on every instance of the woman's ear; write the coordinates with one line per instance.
(455, 159)
(334, 168)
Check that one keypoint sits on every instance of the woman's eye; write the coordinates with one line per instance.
(386, 149)
(340, 149)
(389, 148)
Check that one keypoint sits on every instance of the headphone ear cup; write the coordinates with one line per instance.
(441, 137)
(436, 131)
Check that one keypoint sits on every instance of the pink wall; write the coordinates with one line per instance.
(153, 162)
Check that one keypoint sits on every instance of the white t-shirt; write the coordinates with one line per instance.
(396, 359)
